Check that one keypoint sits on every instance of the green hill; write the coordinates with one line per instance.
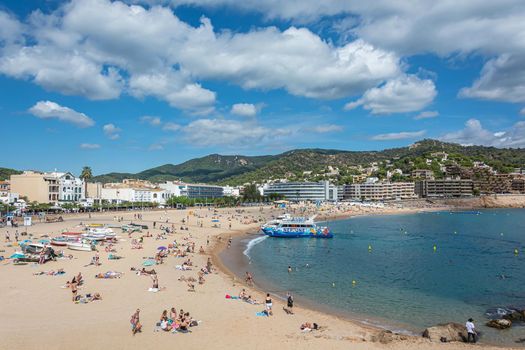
(240, 169)
(6, 172)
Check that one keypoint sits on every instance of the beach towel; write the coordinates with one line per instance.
(262, 313)
(149, 263)
(154, 290)
(231, 297)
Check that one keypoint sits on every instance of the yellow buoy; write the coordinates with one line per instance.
(333, 284)
(516, 251)
(369, 247)
(435, 248)
(354, 282)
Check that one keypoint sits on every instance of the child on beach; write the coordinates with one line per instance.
(136, 327)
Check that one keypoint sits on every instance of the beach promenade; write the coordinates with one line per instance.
(37, 313)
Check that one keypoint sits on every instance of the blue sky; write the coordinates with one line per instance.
(128, 85)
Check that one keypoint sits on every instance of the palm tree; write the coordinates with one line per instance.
(86, 175)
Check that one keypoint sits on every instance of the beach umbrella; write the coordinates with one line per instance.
(25, 241)
(17, 256)
(162, 248)
(149, 263)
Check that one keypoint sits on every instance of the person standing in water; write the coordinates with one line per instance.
(471, 330)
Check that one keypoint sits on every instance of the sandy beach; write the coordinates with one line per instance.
(37, 313)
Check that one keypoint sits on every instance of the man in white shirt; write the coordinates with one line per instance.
(471, 330)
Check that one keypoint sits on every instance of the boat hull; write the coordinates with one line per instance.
(279, 233)
(79, 247)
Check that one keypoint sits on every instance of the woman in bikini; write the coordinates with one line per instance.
(269, 304)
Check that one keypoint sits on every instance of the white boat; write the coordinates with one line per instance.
(275, 222)
(101, 231)
(94, 237)
(80, 246)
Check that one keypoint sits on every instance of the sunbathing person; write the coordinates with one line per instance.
(191, 287)
(242, 295)
(307, 326)
(95, 296)
(252, 301)
(109, 275)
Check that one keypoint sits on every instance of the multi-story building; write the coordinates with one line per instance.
(125, 194)
(200, 191)
(518, 184)
(94, 190)
(445, 188)
(36, 186)
(70, 188)
(379, 191)
(230, 191)
(423, 174)
(304, 191)
(194, 191)
(486, 181)
(4, 188)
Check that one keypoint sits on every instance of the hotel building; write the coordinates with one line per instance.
(304, 191)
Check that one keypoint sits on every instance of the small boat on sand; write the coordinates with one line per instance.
(71, 234)
(80, 246)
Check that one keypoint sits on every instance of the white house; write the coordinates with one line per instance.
(70, 187)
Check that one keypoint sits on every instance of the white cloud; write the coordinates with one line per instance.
(153, 121)
(400, 25)
(403, 27)
(426, 115)
(475, 134)
(326, 128)
(522, 112)
(85, 48)
(399, 135)
(407, 93)
(244, 109)
(169, 126)
(156, 147)
(89, 146)
(11, 29)
(175, 89)
(230, 133)
(64, 71)
(52, 110)
(502, 79)
(111, 131)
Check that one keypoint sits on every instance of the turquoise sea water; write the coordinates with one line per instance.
(402, 282)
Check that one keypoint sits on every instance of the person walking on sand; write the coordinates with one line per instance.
(136, 327)
(249, 279)
(471, 330)
(289, 303)
(269, 304)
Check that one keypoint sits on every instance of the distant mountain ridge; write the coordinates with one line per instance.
(239, 169)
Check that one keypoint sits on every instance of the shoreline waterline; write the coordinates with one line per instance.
(243, 245)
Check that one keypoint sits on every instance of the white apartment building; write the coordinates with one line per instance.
(70, 188)
(230, 191)
(304, 191)
(125, 194)
(379, 191)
